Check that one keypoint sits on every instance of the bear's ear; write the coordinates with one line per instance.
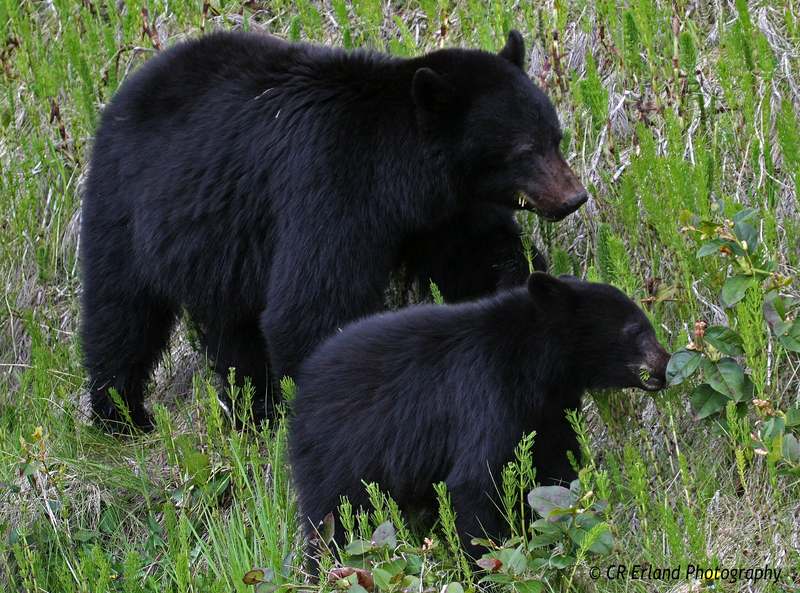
(544, 287)
(514, 50)
(568, 278)
(430, 91)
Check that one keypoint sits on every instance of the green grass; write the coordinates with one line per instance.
(674, 112)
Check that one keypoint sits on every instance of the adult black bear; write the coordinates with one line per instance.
(444, 393)
(267, 189)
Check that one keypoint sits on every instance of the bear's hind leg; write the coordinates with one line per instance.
(241, 347)
(122, 335)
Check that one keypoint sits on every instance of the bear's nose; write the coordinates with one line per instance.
(569, 205)
(577, 201)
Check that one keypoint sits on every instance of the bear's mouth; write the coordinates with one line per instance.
(534, 203)
(650, 381)
(527, 203)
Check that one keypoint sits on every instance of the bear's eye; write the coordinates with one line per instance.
(522, 151)
(632, 330)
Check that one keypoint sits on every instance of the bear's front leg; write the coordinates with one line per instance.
(477, 514)
(554, 437)
(471, 255)
(313, 297)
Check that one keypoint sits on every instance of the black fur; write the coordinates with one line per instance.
(267, 188)
(444, 393)
(472, 254)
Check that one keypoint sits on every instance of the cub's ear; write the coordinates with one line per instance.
(430, 91)
(544, 287)
(514, 50)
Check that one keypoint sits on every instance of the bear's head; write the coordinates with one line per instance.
(498, 132)
(607, 337)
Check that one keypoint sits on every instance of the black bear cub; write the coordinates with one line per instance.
(270, 189)
(445, 393)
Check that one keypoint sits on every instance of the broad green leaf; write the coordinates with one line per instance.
(413, 564)
(543, 540)
(746, 233)
(603, 540)
(734, 289)
(528, 586)
(745, 215)
(358, 547)
(539, 563)
(551, 501)
(709, 227)
(773, 428)
(384, 535)
(793, 417)
(725, 340)
(498, 577)
(258, 575)
(707, 402)
(715, 247)
(546, 527)
(561, 561)
(410, 583)
(382, 578)
(774, 312)
(728, 378)
(791, 339)
(791, 448)
(394, 567)
(710, 248)
(682, 365)
(328, 528)
(454, 588)
(517, 562)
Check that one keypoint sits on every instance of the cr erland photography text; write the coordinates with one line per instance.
(679, 572)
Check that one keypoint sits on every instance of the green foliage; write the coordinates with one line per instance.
(593, 94)
(633, 45)
(789, 139)
(518, 478)
(714, 351)
(436, 294)
(568, 531)
(613, 263)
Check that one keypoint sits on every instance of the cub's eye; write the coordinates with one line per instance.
(523, 150)
(632, 330)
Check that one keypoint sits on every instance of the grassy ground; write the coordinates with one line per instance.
(679, 115)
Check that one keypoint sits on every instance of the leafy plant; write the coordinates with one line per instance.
(568, 530)
(716, 350)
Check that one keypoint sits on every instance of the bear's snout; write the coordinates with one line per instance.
(654, 369)
(556, 190)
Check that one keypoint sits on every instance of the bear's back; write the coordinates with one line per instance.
(182, 77)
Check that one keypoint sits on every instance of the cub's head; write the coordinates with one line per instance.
(609, 340)
(498, 131)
